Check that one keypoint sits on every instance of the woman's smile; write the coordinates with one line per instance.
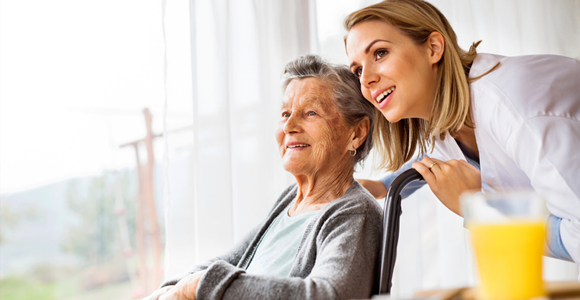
(297, 146)
(383, 97)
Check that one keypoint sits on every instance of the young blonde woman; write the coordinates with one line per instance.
(516, 119)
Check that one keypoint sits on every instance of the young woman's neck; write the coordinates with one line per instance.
(466, 136)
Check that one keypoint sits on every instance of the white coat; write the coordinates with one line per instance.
(527, 127)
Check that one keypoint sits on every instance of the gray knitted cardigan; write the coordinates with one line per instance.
(335, 259)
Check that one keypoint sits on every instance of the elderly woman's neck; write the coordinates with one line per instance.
(317, 190)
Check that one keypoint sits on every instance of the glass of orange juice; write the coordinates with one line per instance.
(507, 233)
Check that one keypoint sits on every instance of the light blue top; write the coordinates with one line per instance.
(410, 188)
(277, 249)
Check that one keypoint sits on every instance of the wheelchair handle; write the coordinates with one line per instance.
(391, 216)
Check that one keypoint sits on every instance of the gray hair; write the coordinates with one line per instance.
(349, 101)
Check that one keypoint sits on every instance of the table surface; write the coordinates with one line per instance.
(555, 289)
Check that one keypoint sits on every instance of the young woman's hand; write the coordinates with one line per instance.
(375, 187)
(185, 288)
(449, 179)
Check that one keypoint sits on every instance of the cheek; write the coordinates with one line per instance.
(279, 135)
(332, 139)
(337, 129)
(389, 71)
(367, 94)
(413, 69)
(325, 142)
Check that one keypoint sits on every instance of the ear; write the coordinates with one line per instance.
(360, 133)
(436, 44)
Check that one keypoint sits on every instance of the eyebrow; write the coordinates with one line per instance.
(368, 48)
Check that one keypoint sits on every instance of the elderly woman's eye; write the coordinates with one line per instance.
(285, 114)
(311, 113)
(380, 53)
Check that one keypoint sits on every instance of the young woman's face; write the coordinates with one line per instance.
(397, 76)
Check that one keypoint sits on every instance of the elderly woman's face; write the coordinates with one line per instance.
(311, 134)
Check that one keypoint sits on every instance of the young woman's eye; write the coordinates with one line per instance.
(357, 72)
(380, 53)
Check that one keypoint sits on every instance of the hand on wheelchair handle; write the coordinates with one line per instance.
(449, 180)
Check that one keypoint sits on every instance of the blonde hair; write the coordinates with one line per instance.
(396, 143)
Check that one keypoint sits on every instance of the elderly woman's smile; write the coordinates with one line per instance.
(296, 146)
(311, 133)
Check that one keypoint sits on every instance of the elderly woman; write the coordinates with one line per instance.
(321, 238)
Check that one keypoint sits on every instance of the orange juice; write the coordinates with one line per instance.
(509, 259)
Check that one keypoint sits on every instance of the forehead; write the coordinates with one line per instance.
(308, 91)
(362, 34)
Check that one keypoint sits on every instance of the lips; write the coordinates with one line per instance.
(384, 94)
(293, 146)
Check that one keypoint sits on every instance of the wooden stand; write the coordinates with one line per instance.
(147, 227)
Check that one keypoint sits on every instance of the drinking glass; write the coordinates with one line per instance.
(507, 232)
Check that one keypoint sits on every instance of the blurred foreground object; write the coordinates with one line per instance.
(554, 290)
(507, 232)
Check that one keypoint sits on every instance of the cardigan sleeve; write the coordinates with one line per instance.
(231, 257)
(347, 247)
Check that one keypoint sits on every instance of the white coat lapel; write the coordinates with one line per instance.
(447, 149)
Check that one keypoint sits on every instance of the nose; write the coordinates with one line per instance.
(292, 124)
(368, 77)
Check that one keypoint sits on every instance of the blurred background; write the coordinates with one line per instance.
(136, 137)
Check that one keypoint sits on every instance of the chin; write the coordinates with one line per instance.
(291, 168)
(391, 116)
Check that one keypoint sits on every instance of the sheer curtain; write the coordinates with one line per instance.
(238, 51)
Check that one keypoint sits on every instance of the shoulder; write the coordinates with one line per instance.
(524, 87)
(289, 191)
(286, 197)
(356, 213)
(527, 74)
(356, 201)
(549, 66)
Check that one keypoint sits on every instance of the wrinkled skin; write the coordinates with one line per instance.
(323, 168)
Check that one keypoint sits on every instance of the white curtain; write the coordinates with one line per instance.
(238, 51)
(516, 27)
(232, 57)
